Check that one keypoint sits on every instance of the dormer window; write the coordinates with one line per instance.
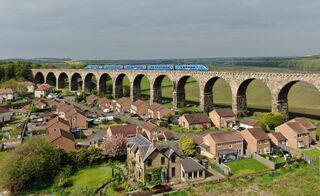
(173, 159)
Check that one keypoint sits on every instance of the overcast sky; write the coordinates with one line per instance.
(147, 29)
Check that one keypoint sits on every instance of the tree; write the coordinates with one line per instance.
(272, 120)
(115, 146)
(34, 163)
(187, 145)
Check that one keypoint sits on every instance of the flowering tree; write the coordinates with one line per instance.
(115, 146)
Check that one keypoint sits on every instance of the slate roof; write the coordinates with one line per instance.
(166, 148)
(191, 165)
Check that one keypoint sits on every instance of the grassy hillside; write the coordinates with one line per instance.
(302, 181)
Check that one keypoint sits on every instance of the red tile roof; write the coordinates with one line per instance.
(258, 133)
(125, 130)
(225, 112)
(7, 91)
(197, 118)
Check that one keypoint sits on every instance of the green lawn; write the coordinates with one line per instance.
(2, 155)
(312, 153)
(283, 182)
(90, 178)
(246, 166)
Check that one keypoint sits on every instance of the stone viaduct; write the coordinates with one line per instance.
(279, 84)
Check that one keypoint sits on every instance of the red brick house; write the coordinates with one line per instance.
(123, 104)
(223, 117)
(139, 107)
(256, 141)
(129, 131)
(62, 139)
(278, 139)
(223, 145)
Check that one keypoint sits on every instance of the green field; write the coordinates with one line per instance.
(246, 166)
(2, 155)
(302, 98)
(301, 181)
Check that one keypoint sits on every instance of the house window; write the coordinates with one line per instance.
(219, 145)
(149, 162)
(183, 174)
(162, 160)
(173, 172)
(200, 173)
(173, 159)
(195, 174)
(149, 178)
(189, 175)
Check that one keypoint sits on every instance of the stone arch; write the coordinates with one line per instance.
(51, 79)
(181, 92)
(105, 85)
(157, 88)
(136, 86)
(63, 80)
(241, 97)
(282, 102)
(208, 93)
(76, 82)
(119, 85)
(90, 83)
(39, 78)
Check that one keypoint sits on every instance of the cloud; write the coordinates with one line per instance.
(129, 29)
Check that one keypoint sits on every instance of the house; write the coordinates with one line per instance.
(139, 107)
(154, 133)
(92, 100)
(163, 112)
(123, 104)
(77, 118)
(62, 139)
(43, 90)
(104, 103)
(55, 123)
(197, 120)
(224, 145)
(278, 139)
(249, 123)
(309, 126)
(192, 170)
(40, 104)
(167, 158)
(8, 94)
(256, 141)
(30, 86)
(158, 111)
(152, 110)
(298, 137)
(5, 115)
(223, 117)
(128, 131)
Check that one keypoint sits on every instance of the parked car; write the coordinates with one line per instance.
(97, 122)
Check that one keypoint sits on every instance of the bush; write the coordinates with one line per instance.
(35, 162)
(272, 120)
(187, 145)
(87, 157)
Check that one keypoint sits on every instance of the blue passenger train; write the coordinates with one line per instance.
(149, 67)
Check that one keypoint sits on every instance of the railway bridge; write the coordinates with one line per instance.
(279, 84)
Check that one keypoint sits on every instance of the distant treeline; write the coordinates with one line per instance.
(15, 70)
